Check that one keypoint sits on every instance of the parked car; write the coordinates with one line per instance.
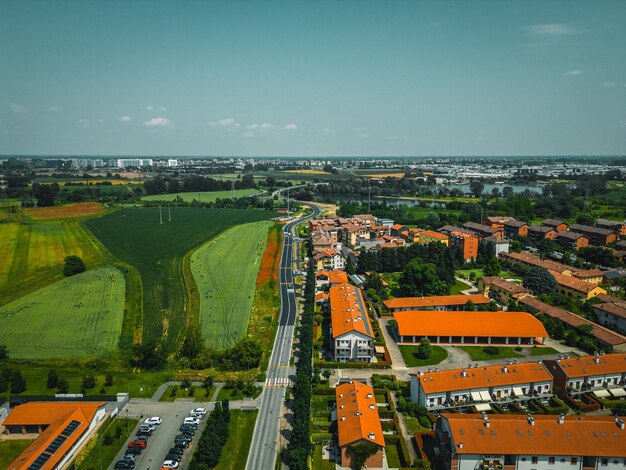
(141, 443)
(197, 412)
(124, 463)
(187, 428)
(170, 464)
(191, 420)
(133, 451)
(147, 428)
(154, 420)
(175, 457)
(176, 450)
(182, 444)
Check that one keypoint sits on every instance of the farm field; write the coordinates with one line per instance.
(206, 196)
(308, 172)
(225, 271)
(156, 250)
(67, 211)
(79, 316)
(31, 255)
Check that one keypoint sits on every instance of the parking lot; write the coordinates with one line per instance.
(162, 439)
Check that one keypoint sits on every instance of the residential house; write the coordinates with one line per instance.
(498, 244)
(429, 236)
(572, 240)
(593, 276)
(576, 288)
(331, 278)
(619, 227)
(556, 225)
(515, 228)
(479, 386)
(597, 236)
(328, 259)
(467, 242)
(358, 422)
(612, 315)
(497, 221)
(519, 328)
(501, 290)
(602, 374)
(483, 231)
(529, 442)
(539, 232)
(438, 302)
(351, 331)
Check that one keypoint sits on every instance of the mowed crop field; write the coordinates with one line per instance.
(32, 255)
(79, 316)
(206, 196)
(225, 271)
(136, 237)
(67, 211)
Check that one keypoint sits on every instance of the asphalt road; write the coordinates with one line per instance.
(265, 446)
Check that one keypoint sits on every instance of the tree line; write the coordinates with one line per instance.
(213, 438)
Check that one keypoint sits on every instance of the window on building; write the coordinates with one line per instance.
(534, 459)
(551, 460)
(573, 461)
(604, 462)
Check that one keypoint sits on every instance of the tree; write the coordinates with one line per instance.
(45, 193)
(89, 381)
(476, 188)
(420, 278)
(53, 380)
(108, 380)
(63, 386)
(4, 352)
(539, 281)
(208, 382)
(492, 268)
(424, 349)
(361, 452)
(147, 356)
(470, 306)
(17, 383)
(73, 265)
(507, 191)
(193, 344)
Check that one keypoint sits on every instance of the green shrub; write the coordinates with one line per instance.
(491, 350)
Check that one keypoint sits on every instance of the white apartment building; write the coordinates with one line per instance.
(351, 330)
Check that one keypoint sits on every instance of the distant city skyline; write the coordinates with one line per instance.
(313, 79)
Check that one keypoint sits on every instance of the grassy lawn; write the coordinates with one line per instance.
(413, 424)
(409, 353)
(9, 450)
(466, 273)
(76, 317)
(225, 271)
(235, 452)
(91, 460)
(156, 250)
(235, 394)
(200, 394)
(393, 455)
(542, 350)
(478, 353)
(459, 287)
(509, 275)
(207, 196)
(317, 462)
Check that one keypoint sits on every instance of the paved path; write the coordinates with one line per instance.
(472, 287)
(408, 438)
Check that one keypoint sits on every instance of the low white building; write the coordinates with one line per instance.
(521, 442)
(352, 335)
(480, 386)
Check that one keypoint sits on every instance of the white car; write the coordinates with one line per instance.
(197, 412)
(191, 420)
(152, 421)
(170, 464)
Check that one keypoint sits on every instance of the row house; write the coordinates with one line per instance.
(445, 327)
(352, 334)
(527, 442)
(483, 230)
(328, 259)
(619, 227)
(480, 386)
(540, 232)
(515, 228)
(331, 278)
(572, 240)
(501, 290)
(556, 225)
(607, 339)
(597, 236)
(497, 221)
(593, 276)
(437, 302)
(429, 236)
(602, 374)
(576, 288)
(612, 315)
(498, 244)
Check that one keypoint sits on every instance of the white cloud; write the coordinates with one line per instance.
(84, 123)
(551, 29)
(125, 119)
(573, 73)
(252, 127)
(362, 135)
(266, 126)
(290, 127)
(53, 109)
(608, 84)
(18, 108)
(158, 122)
(226, 122)
(248, 134)
(163, 108)
(149, 108)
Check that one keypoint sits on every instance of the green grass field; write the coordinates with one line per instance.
(409, 353)
(76, 317)
(207, 196)
(31, 255)
(9, 450)
(199, 394)
(478, 353)
(235, 452)
(157, 250)
(225, 271)
(459, 287)
(236, 394)
(91, 460)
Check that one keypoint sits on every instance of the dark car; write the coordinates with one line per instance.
(124, 463)
(133, 451)
(181, 443)
(187, 429)
(143, 437)
(189, 425)
(175, 450)
(176, 457)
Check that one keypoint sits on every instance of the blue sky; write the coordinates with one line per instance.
(313, 78)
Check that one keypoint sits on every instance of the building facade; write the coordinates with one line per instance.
(352, 334)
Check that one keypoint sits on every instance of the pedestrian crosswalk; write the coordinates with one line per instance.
(278, 382)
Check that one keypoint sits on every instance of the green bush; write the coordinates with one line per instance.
(491, 350)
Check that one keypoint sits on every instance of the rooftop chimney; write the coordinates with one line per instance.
(464, 373)
(531, 420)
(371, 435)
(561, 419)
(369, 395)
(505, 369)
(461, 445)
(343, 418)
(372, 406)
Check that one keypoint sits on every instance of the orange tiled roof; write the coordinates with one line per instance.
(433, 234)
(348, 312)
(494, 324)
(438, 300)
(576, 284)
(56, 416)
(587, 365)
(334, 277)
(483, 377)
(504, 284)
(357, 414)
(513, 434)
